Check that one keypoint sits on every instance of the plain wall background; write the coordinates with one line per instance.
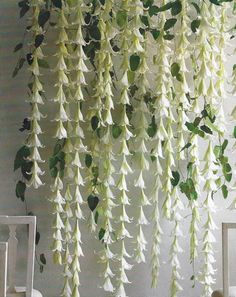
(13, 109)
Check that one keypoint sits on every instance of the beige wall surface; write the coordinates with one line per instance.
(13, 109)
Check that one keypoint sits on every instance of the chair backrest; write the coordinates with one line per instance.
(225, 256)
(12, 222)
(3, 268)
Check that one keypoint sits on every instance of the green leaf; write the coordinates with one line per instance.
(206, 129)
(88, 160)
(188, 189)
(134, 62)
(195, 25)
(43, 259)
(38, 40)
(169, 24)
(152, 129)
(234, 134)
(92, 202)
(20, 190)
(116, 131)
(175, 68)
(121, 18)
(195, 5)
(54, 172)
(224, 145)
(37, 238)
(224, 190)
(186, 146)
(44, 16)
(19, 65)
(21, 156)
(218, 151)
(101, 233)
(176, 8)
(155, 33)
(145, 20)
(57, 3)
(169, 36)
(24, 7)
(18, 47)
(26, 168)
(94, 122)
(41, 268)
(131, 76)
(175, 179)
(153, 10)
(166, 7)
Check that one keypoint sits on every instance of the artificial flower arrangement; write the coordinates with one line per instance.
(138, 84)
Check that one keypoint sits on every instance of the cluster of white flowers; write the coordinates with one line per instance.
(105, 55)
(36, 99)
(138, 47)
(207, 275)
(175, 249)
(125, 169)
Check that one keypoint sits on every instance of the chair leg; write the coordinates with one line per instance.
(3, 265)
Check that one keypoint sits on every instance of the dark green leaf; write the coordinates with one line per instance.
(21, 156)
(152, 129)
(26, 169)
(153, 10)
(206, 129)
(134, 62)
(18, 47)
(224, 190)
(188, 189)
(41, 268)
(195, 25)
(44, 16)
(186, 146)
(38, 40)
(165, 7)
(169, 23)
(29, 58)
(121, 18)
(92, 202)
(57, 3)
(19, 65)
(175, 179)
(116, 131)
(24, 8)
(176, 8)
(101, 233)
(155, 33)
(37, 238)
(94, 122)
(145, 20)
(54, 172)
(175, 68)
(224, 145)
(88, 160)
(169, 36)
(43, 259)
(198, 10)
(20, 190)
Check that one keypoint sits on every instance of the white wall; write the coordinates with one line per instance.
(12, 110)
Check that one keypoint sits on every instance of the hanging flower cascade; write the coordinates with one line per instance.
(36, 99)
(112, 121)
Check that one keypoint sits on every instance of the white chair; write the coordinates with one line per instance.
(228, 291)
(9, 255)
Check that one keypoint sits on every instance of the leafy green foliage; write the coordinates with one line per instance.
(176, 8)
(116, 131)
(44, 16)
(88, 160)
(18, 47)
(24, 7)
(94, 122)
(169, 24)
(38, 40)
(20, 190)
(152, 129)
(134, 62)
(224, 190)
(175, 179)
(92, 202)
(57, 161)
(195, 24)
(21, 157)
(121, 18)
(101, 234)
(18, 66)
(188, 188)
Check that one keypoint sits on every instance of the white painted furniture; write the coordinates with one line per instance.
(10, 252)
(227, 290)
(3, 268)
